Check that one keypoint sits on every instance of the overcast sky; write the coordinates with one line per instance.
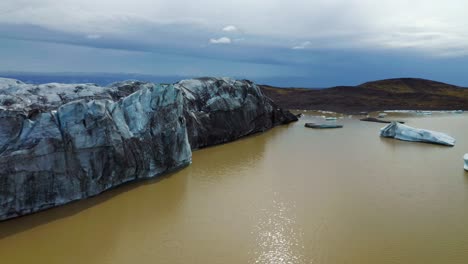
(312, 43)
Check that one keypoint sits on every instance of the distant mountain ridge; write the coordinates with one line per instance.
(407, 85)
(389, 94)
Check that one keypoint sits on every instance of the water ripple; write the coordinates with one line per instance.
(278, 239)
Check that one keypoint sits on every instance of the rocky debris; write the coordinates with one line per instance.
(407, 133)
(376, 120)
(65, 142)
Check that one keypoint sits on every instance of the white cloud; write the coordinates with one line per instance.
(302, 45)
(93, 36)
(432, 26)
(230, 28)
(222, 40)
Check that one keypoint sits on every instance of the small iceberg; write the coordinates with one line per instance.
(407, 133)
(466, 161)
(326, 112)
(427, 113)
(322, 126)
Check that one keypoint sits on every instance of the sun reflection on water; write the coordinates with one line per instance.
(278, 239)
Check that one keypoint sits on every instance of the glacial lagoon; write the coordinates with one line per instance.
(290, 195)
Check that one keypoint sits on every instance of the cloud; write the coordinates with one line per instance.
(230, 28)
(432, 26)
(302, 45)
(93, 36)
(222, 40)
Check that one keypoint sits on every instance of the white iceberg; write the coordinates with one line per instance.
(466, 161)
(424, 113)
(407, 133)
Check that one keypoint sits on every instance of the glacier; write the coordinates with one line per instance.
(65, 142)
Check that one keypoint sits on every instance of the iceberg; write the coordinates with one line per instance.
(407, 133)
(322, 126)
(466, 161)
(427, 113)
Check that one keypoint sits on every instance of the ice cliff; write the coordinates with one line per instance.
(65, 142)
(222, 110)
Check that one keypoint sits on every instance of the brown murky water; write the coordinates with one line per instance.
(291, 195)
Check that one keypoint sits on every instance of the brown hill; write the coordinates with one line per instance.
(391, 94)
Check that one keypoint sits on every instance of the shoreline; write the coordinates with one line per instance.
(418, 111)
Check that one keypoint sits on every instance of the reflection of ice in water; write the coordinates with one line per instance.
(278, 239)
